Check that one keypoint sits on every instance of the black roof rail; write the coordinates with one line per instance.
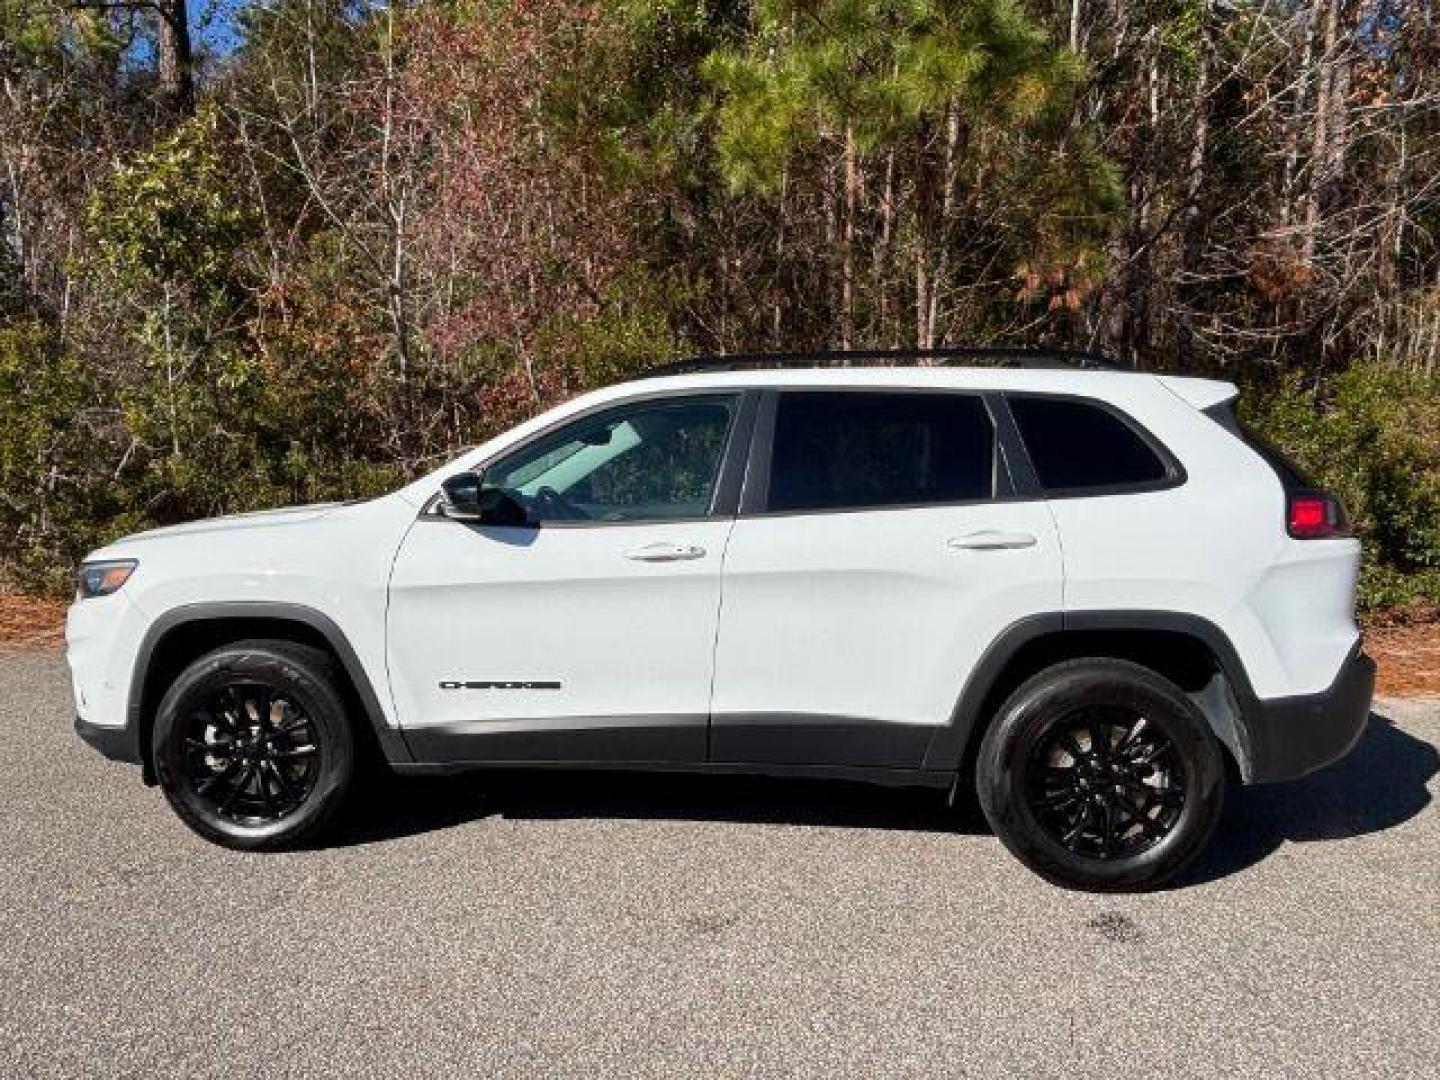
(971, 355)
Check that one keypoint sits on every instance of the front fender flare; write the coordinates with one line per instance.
(392, 742)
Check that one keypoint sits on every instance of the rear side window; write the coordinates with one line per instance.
(843, 450)
(1076, 445)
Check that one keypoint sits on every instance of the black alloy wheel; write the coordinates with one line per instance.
(252, 745)
(1102, 775)
(252, 754)
(1106, 783)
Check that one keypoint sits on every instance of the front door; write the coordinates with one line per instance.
(587, 633)
(877, 555)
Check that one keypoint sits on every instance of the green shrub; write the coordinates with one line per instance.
(55, 496)
(1373, 439)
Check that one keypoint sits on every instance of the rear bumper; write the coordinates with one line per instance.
(115, 743)
(1291, 737)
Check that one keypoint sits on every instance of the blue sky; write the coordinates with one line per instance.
(212, 23)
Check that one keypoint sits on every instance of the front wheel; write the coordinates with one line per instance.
(252, 747)
(1101, 775)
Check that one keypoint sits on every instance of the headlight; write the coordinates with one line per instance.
(102, 578)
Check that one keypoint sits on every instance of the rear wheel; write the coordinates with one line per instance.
(252, 747)
(1101, 775)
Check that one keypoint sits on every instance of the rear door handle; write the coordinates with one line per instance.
(666, 552)
(991, 540)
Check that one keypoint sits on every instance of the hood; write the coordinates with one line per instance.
(291, 515)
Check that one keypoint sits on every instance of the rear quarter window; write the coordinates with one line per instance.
(1078, 446)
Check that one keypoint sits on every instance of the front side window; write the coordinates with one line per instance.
(846, 449)
(1075, 445)
(650, 460)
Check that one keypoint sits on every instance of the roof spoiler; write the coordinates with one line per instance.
(1201, 394)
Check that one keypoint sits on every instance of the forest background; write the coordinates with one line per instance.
(256, 252)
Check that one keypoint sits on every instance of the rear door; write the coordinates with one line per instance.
(880, 549)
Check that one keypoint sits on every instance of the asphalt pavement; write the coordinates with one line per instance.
(615, 925)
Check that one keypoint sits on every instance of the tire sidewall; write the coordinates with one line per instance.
(1032, 712)
(312, 691)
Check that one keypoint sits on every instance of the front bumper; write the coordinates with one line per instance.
(116, 743)
(103, 636)
(1291, 737)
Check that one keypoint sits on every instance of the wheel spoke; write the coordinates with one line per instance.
(282, 782)
(1139, 787)
(1169, 796)
(240, 784)
(294, 724)
(1147, 824)
(1149, 752)
(1072, 836)
(1107, 828)
(211, 782)
(231, 711)
(1132, 736)
(293, 752)
(262, 782)
(219, 749)
(1056, 800)
(257, 706)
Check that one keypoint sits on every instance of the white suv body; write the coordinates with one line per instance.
(839, 571)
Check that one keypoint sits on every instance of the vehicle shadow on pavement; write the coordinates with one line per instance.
(402, 807)
(1380, 784)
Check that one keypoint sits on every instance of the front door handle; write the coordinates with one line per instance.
(666, 552)
(991, 540)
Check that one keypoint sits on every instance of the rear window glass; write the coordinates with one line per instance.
(845, 449)
(1077, 445)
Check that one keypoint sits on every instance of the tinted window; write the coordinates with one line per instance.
(841, 449)
(1075, 444)
(648, 460)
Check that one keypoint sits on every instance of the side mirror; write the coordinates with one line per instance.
(466, 498)
(461, 499)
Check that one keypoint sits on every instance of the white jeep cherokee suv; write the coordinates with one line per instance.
(1090, 594)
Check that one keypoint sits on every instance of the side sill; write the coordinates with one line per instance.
(924, 778)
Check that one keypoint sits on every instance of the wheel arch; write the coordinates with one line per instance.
(186, 633)
(1187, 649)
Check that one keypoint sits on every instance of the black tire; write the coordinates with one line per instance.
(252, 746)
(1088, 803)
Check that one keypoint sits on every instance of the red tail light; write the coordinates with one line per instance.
(1315, 515)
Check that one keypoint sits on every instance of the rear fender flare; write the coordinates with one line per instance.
(1224, 706)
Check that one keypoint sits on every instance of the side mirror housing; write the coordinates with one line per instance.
(460, 500)
(466, 498)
